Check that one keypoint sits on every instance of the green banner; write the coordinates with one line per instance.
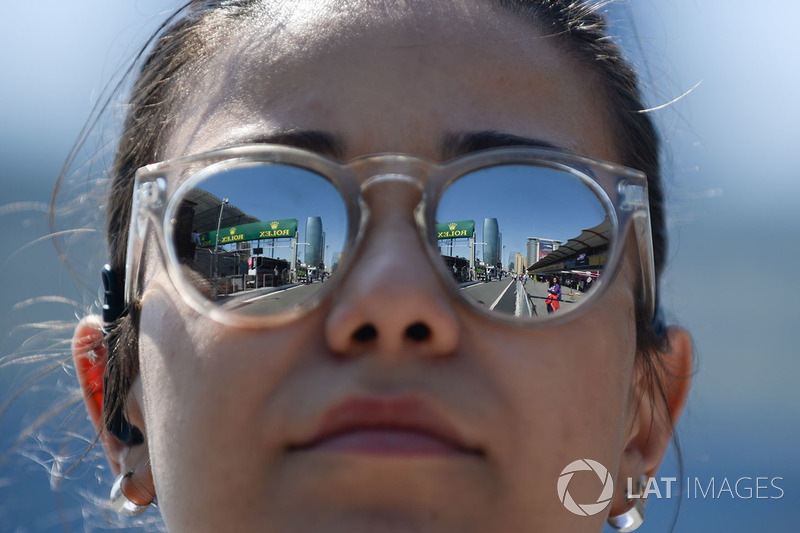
(455, 230)
(273, 229)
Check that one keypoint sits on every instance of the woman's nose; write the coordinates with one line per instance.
(391, 300)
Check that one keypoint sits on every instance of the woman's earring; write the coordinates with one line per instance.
(634, 517)
(120, 503)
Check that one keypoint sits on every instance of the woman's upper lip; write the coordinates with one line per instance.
(402, 413)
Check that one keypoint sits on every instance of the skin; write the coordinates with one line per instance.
(220, 405)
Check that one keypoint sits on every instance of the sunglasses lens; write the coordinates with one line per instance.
(523, 240)
(258, 238)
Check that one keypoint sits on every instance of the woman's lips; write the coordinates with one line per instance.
(387, 440)
(385, 426)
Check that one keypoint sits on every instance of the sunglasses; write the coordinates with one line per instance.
(259, 234)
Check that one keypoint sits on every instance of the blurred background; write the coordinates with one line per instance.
(733, 189)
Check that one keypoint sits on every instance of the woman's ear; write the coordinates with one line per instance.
(656, 414)
(90, 352)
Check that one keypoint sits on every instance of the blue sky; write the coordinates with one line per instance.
(732, 187)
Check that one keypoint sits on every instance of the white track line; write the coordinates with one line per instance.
(491, 308)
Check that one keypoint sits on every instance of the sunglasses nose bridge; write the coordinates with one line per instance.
(390, 201)
(392, 191)
(392, 185)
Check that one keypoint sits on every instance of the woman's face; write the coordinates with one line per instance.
(308, 427)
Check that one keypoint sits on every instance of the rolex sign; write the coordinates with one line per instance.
(270, 229)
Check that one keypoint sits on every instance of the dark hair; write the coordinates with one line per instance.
(578, 28)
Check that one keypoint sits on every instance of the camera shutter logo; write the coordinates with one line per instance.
(585, 509)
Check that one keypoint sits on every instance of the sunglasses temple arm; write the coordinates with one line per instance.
(644, 239)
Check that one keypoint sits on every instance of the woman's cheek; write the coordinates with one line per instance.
(565, 390)
(209, 389)
(200, 368)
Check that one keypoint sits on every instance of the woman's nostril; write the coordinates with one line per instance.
(365, 333)
(418, 332)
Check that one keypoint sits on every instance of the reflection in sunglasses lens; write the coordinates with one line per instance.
(523, 240)
(259, 238)
(520, 240)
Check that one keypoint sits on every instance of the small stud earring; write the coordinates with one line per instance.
(121, 503)
(633, 517)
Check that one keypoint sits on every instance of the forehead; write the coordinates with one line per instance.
(388, 79)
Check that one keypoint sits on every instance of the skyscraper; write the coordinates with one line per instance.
(499, 262)
(520, 263)
(538, 248)
(491, 234)
(313, 255)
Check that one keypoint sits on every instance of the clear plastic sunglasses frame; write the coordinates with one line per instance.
(160, 187)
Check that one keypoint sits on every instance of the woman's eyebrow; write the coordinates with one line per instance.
(321, 142)
(456, 144)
